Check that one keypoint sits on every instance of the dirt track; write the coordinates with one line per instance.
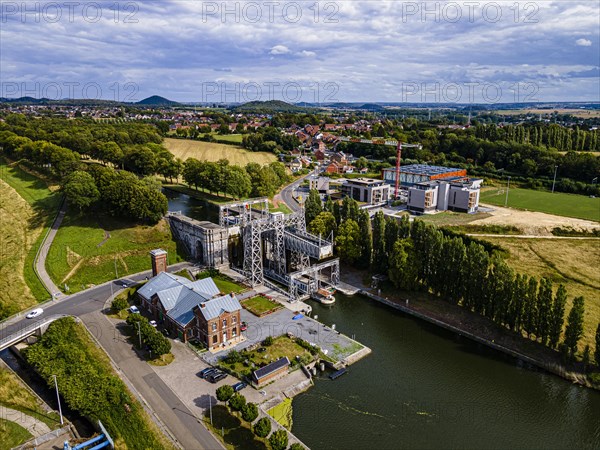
(534, 223)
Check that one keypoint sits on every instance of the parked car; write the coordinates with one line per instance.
(244, 326)
(35, 313)
(239, 386)
(153, 323)
(134, 309)
(216, 376)
(204, 373)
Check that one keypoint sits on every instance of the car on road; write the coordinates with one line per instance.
(216, 376)
(153, 323)
(244, 326)
(134, 309)
(206, 372)
(35, 313)
(237, 387)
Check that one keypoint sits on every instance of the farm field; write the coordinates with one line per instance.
(569, 205)
(27, 207)
(576, 112)
(571, 262)
(88, 250)
(211, 151)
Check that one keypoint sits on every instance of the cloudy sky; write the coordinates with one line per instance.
(323, 51)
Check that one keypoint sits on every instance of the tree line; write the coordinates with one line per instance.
(462, 271)
(238, 182)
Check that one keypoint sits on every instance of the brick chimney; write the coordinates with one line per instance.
(159, 261)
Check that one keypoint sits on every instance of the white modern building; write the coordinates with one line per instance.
(367, 190)
(439, 195)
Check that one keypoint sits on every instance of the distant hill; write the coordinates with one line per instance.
(157, 100)
(271, 107)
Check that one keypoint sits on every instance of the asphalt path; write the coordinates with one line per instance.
(286, 194)
(88, 306)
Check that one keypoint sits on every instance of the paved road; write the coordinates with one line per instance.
(88, 305)
(40, 262)
(286, 193)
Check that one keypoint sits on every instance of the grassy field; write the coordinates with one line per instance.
(569, 205)
(282, 413)
(234, 433)
(449, 218)
(27, 208)
(260, 305)
(573, 263)
(14, 395)
(83, 254)
(12, 435)
(225, 284)
(576, 112)
(282, 346)
(210, 151)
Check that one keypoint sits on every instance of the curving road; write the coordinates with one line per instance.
(286, 194)
(88, 306)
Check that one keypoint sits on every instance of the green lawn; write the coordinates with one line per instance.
(233, 432)
(237, 138)
(45, 204)
(282, 413)
(569, 205)
(260, 305)
(12, 435)
(82, 255)
(14, 395)
(282, 346)
(225, 284)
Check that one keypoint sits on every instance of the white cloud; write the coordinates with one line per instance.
(279, 50)
(308, 53)
(583, 42)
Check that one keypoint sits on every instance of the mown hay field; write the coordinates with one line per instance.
(212, 151)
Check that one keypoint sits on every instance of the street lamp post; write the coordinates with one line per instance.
(507, 188)
(554, 181)
(58, 399)
(139, 333)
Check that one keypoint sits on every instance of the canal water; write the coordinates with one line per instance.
(424, 387)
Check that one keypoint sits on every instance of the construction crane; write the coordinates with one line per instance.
(390, 143)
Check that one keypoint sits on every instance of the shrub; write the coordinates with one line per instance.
(262, 428)
(237, 402)
(268, 341)
(250, 412)
(279, 440)
(296, 446)
(224, 393)
(119, 304)
(234, 357)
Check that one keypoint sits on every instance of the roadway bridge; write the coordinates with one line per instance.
(37, 328)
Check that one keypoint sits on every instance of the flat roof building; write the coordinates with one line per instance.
(419, 173)
(367, 190)
(441, 195)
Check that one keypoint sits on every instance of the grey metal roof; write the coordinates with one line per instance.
(213, 308)
(161, 282)
(182, 312)
(270, 368)
(205, 286)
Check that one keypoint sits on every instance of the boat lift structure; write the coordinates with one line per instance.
(278, 247)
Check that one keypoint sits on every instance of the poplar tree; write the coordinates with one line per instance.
(366, 239)
(557, 317)
(544, 310)
(391, 234)
(574, 329)
(379, 261)
(530, 313)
